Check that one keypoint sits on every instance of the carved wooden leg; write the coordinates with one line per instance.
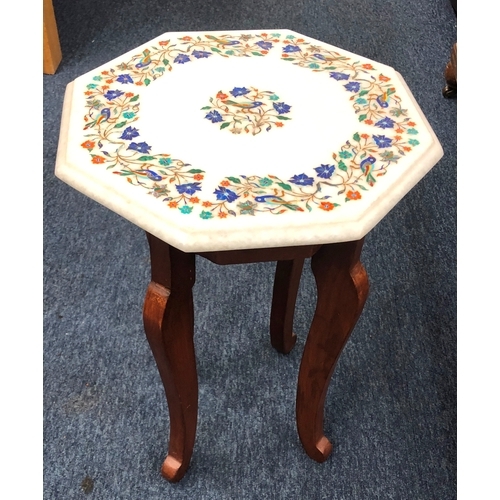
(450, 74)
(169, 324)
(286, 285)
(342, 285)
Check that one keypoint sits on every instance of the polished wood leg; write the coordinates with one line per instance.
(450, 75)
(286, 286)
(169, 323)
(342, 285)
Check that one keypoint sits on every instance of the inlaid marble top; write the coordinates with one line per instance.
(244, 139)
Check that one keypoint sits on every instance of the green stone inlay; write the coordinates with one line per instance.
(114, 141)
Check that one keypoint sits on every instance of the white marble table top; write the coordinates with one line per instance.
(239, 140)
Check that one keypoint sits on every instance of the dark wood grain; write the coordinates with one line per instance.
(169, 324)
(450, 75)
(226, 257)
(342, 285)
(286, 286)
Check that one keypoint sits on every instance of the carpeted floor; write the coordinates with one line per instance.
(391, 407)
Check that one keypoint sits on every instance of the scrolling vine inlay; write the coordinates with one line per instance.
(113, 137)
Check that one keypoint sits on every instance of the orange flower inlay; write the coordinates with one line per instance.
(353, 195)
(326, 205)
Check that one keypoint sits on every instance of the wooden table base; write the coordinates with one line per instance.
(342, 285)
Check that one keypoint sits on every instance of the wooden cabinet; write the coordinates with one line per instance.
(51, 48)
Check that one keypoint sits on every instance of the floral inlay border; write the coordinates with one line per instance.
(113, 139)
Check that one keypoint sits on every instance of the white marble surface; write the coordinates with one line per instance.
(298, 143)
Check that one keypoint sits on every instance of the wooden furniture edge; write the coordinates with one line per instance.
(52, 55)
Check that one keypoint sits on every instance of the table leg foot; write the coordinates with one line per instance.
(172, 469)
(286, 285)
(169, 324)
(342, 285)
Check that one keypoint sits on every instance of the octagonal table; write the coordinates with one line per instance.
(246, 147)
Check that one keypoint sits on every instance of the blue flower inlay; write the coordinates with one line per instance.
(264, 45)
(352, 86)
(302, 180)
(113, 94)
(339, 76)
(201, 54)
(237, 91)
(382, 141)
(141, 147)
(214, 116)
(281, 107)
(224, 194)
(385, 123)
(189, 188)
(181, 59)
(291, 48)
(129, 133)
(125, 79)
(325, 171)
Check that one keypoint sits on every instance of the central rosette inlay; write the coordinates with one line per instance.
(247, 110)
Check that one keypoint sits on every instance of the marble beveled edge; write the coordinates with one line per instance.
(320, 232)
(192, 239)
(404, 184)
(78, 179)
(189, 239)
(61, 155)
